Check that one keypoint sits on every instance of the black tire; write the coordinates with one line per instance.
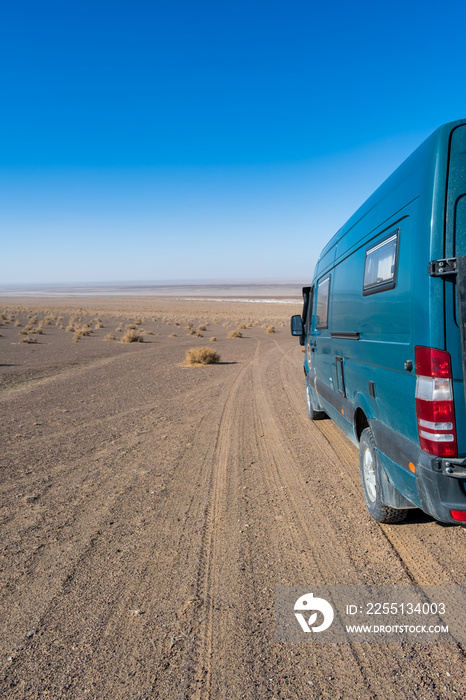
(312, 412)
(370, 468)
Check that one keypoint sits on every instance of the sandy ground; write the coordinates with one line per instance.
(148, 510)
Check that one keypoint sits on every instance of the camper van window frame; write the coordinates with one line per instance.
(319, 324)
(308, 320)
(387, 283)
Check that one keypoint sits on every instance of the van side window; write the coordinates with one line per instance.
(322, 303)
(380, 265)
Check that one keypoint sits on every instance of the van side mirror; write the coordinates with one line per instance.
(296, 325)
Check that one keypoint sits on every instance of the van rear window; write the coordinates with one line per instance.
(380, 265)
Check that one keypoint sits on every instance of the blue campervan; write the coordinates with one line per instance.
(384, 333)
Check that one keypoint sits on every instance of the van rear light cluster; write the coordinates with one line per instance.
(435, 407)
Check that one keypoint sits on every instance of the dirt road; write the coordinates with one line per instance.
(148, 511)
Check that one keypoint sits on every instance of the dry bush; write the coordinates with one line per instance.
(130, 327)
(213, 339)
(32, 319)
(270, 329)
(148, 333)
(192, 332)
(241, 326)
(138, 321)
(119, 329)
(172, 335)
(189, 326)
(17, 323)
(110, 336)
(235, 334)
(73, 324)
(202, 327)
(81, 332)
(201, 356)
(27, 340)
(132, 337)
(98, 324)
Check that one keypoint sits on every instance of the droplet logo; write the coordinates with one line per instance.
(307, 603)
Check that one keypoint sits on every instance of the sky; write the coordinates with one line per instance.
(208, 140)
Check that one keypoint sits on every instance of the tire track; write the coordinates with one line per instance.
(213, 545)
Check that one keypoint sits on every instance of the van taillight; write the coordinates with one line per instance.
(435, 409)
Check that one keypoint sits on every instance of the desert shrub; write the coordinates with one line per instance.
(241, 326)
(172, 335)
(33, 319)
(98, 324)
(131, 336)
(138, 321)
(201, 356)
(81, 332)
(235, 334)
(202, 327)
(17, 323)
(110, 336)
(130, 327)
(213, 339)
(27, 340)
(270, 329)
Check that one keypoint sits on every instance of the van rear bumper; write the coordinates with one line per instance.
(440, 485)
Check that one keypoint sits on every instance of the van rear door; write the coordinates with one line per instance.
(455, 246)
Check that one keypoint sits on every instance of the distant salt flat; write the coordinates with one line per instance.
(255, 300)
(248, 293)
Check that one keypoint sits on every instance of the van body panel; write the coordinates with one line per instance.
(374, 300)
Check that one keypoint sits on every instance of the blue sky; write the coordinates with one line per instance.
(208, 140)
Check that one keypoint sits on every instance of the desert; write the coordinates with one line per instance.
(150, 506)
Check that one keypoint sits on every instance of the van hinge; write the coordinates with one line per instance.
(456, 267)
(446, 266)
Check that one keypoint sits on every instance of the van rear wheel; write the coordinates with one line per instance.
(313, 413)
(370, 468)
